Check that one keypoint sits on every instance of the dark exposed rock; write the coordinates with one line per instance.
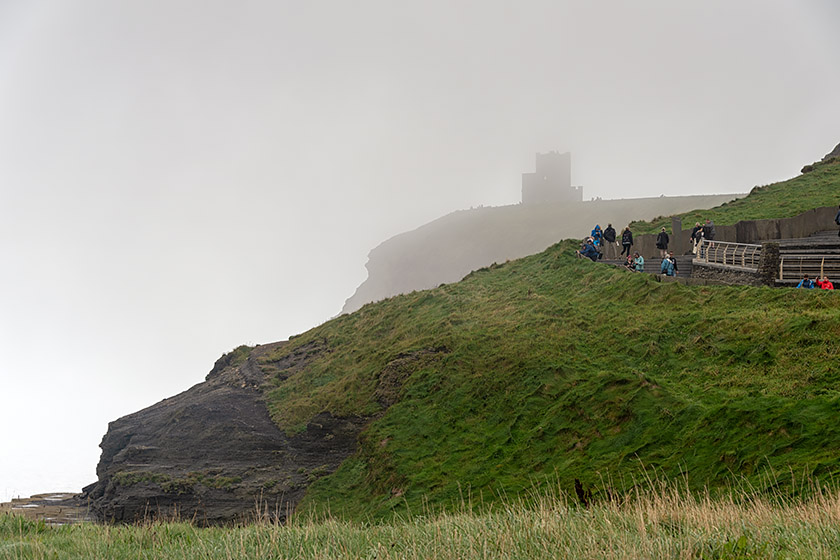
(212, 454)
(293, 362)
(835, 153)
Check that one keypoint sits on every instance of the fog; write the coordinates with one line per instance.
(178, 178)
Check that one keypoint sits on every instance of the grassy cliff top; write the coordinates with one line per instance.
(817, 188)
(550, 368)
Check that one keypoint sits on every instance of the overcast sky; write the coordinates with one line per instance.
(180, 177)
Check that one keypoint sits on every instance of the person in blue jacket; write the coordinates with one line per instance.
(588, 250)
(806, 283)
(667, 267)
(596, 235)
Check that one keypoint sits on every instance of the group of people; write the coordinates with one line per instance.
(588, 250)
(635, 262)
(668, 266)
(594, 245)
(601, 242)
(606, 242)
(822, 283)
(702, 232)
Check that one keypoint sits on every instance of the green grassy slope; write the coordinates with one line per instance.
(550, 367)
(818, 188)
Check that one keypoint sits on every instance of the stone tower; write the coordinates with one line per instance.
(552, 181)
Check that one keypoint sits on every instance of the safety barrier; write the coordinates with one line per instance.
(794, 267)
(739, 255)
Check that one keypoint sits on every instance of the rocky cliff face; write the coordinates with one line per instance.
(833, 153)
(212, 454)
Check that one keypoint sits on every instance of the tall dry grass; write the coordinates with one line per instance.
(668, 523)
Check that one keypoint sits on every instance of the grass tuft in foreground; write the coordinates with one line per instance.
(667, 523)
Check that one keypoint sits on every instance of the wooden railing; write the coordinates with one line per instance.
(794, 267)
(738, 255)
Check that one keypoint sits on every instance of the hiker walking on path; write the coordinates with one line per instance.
(609, 242)
(626, 240)
(696, 236)
(662, 241)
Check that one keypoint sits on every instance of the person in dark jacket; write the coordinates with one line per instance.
(695, 236)
(662, 241)
(709, 230)
(626, 240)
(609, 242)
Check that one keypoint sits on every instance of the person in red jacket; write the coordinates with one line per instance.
(824, 283)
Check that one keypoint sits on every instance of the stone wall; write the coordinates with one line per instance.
(768, 268)
(746, 231)
(727, 275)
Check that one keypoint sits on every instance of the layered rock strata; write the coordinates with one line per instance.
(212, 454)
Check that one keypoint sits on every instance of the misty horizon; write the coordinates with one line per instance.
(181, 179)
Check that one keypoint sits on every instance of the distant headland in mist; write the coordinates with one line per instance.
(447, 249)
